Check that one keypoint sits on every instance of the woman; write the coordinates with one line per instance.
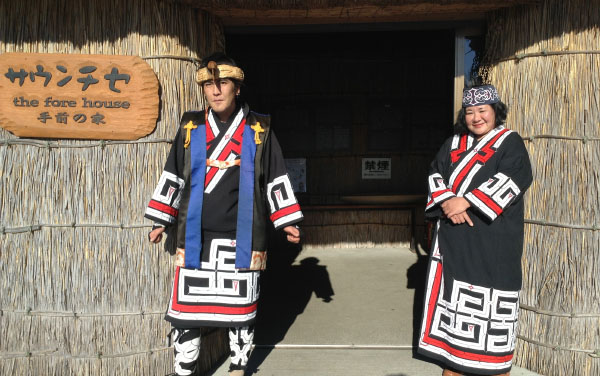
(476, 187)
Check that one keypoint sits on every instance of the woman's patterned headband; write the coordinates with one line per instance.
(475, 96)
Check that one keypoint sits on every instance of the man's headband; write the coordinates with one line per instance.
(212, 71)
(486, 94)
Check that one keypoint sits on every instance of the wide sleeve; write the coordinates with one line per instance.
(282, 203)
(437, 186)
(163, 207)
(508, 185)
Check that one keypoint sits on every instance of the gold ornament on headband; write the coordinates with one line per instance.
(212, 71)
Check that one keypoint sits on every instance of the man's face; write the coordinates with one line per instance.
(220, 95)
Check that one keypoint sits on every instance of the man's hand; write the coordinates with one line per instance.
(293, 234)
(155, 235)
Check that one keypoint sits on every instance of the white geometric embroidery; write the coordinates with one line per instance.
(465, 320)
(173, 183)
(282, 183)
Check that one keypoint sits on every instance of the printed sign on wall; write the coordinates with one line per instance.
(77, 96)
(377, 168)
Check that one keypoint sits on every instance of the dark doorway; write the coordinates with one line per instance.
(338, 97)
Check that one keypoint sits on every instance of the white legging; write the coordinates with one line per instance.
(186, 345)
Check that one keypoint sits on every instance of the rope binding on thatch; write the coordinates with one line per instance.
(543, 52)
(37, 227)
(591, 353)
(99, 355)
(56, 145)
(196, 62)
(30, 312)
(558, 314)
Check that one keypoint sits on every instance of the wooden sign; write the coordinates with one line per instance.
(101, 97)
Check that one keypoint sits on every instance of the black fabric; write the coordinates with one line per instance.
(489, 253)
(219, 208)
(220, 205)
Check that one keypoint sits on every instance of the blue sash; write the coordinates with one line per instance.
(243, 249)
(193, 228)
(193, 233)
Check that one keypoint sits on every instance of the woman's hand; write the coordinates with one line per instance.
(155, 235)
(293, 234)
(461, 218)
(455, 205)
(456, 210)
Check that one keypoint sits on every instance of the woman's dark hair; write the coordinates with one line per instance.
(500, 110)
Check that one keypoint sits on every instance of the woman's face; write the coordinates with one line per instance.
(480, 119)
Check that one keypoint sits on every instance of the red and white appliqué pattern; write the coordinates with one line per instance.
(475, 159)
(282, 201)
(164, 204)
(476, 328)
(491, 197)
(216, 292)
(494, 195)
(438, 191)
(229, 147)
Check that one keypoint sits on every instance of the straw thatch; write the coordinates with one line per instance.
(545, 61)
(82, 291)
(349, 228)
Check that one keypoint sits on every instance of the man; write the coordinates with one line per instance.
(224, 177)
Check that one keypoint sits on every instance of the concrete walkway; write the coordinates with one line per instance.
(329, 312)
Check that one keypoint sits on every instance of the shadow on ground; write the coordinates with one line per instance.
(416, 276)
(286, 289)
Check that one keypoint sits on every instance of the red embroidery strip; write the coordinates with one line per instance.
(209, 133)
(484, 155)
(488, 201)
(207, 308)
(439, 193)
(285, 211)
(163, 208)
(443, 345)
(462, 147)
(233, 145)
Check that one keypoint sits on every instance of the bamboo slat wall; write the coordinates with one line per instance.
(82, 291)
(545, 61)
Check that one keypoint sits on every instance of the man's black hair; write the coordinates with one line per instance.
(219, 58)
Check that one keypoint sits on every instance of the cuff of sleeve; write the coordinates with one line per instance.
(158, 221)
(281, 225)
(444, 196)
(286, 216)
(438, 198)
(484, 204)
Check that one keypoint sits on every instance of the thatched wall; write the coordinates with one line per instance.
(82, 292)
(545, 61)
